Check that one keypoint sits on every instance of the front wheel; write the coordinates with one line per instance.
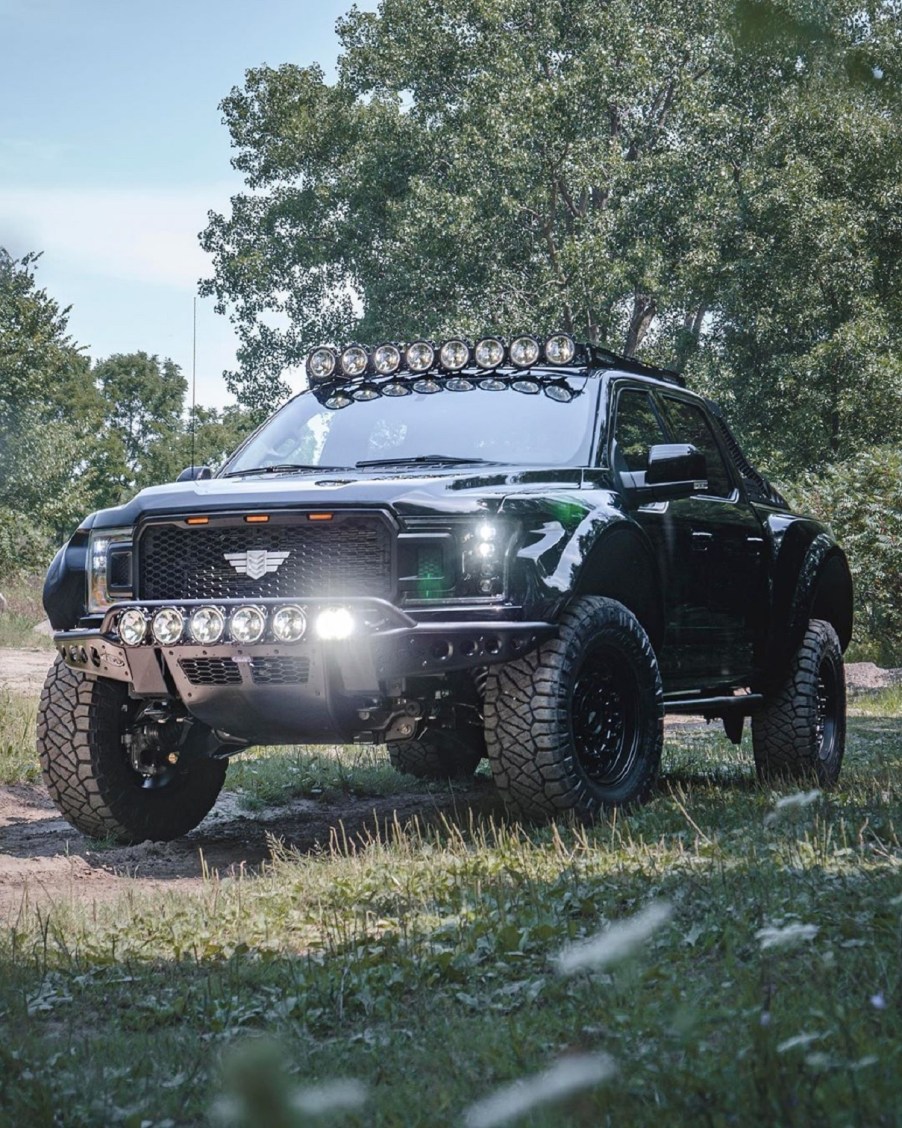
(799, 733)
(85, 726)
(578, 724)
(442, 754)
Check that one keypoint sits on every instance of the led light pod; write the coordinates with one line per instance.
(454, 355)
(427, 386)
(387, 360)
(353, 361)
(366, 392)
(560, 349)
(207, 625)
(334, 624)
(289, 624)
(338, 401)
(247, 624)
(321, 363)
(524, 352)
(489, 353)
(132, 627)
(420, 356)
(395, 388)
(168, 626)
(459, 384)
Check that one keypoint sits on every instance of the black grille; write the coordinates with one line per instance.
(210, 671)
(120, 568)
(335, 558)
(280, 670)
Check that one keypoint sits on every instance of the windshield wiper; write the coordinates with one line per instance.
(281, 468)
(424, 459)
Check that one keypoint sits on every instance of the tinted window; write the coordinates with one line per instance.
(637, 428)
(689, 425)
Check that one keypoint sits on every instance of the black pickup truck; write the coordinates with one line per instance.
(528, 550)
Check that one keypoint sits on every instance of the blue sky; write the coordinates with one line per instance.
(112, 151)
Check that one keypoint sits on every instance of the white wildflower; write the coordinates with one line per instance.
(567, 1076)
(787, 936)
(789, 804)
(798, 1040)
(878, 1002)
(615, 942)
(331, 1097)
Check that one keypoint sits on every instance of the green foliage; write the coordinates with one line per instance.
(862, 500)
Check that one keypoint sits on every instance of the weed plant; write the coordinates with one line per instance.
(410, 971)
(24, 611)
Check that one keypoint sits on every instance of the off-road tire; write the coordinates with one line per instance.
(439, 755)
(88, 773)
(578, 724)
(799, 734)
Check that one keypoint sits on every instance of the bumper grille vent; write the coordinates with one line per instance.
(210, 671)
(280, 671)
(346, 557)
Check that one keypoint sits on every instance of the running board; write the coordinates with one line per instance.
(744, 704)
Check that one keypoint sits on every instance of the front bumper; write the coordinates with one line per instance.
(312, 689)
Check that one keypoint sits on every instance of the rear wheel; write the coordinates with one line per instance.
(800, 733)
(104, 783)
(578, 724)
(442, 754)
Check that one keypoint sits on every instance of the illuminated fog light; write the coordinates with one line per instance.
(420, 356)
(387, 360)
(289, 624)
(353, 361)
(459, 384)
(207, 625)
(335, 623)
(321, 364)
(486, 531)
(524, 352)
(485, 550)
(338, 401)
(247, 624)
(132, 627)
(168, 626)
(427, 387)
(454, 355)
(559, 349)
(366, 392)
(489, 353)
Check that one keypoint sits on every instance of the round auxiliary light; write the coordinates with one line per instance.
(387, 359)
(527, 387)
(492, 384)
(459, 384)
(207, 625)
(168, 625)
(321, 364)
(524, 352)
(353, 361)
(338, 401)
(289, 624)
(395, 388)
(454, 355)
(560, 393)
(132, 627)
(247, 624)
(420, 356)
(335, 623)
(366, 392)
(428, 386)
(559, 349)
(489, 353)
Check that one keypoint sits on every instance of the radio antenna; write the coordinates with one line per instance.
(193, 381)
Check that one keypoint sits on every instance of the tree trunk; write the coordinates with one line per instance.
(644, 310)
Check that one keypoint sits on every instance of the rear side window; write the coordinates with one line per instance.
(688, 425)
(637, 427)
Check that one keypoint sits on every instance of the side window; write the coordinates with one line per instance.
(636, 428)
(689, 425)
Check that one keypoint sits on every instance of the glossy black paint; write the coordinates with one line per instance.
(724, 585)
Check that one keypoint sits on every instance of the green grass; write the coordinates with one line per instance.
(24, 611)
(421, 963)
(18, 760)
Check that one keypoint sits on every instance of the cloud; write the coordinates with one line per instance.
(128, 235)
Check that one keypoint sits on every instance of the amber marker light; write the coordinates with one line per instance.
(257, 518)
(319, 516)
(197, 521)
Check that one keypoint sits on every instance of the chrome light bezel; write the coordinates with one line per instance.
(99, 543)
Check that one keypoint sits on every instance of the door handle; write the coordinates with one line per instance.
(701, 540)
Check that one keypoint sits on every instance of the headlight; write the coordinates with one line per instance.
(484, 549)
(99, 597)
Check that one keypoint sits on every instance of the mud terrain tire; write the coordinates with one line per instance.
(578, 724)
(439, 755)
(81, 723)
(800, 733)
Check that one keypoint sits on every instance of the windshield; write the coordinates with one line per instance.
(502, 426)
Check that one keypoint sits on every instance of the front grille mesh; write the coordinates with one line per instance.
(211, 671)
(347, 557)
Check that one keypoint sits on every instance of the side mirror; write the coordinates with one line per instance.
(193, 473)
(673, 470)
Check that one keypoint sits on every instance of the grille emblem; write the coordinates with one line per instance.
(256, 562)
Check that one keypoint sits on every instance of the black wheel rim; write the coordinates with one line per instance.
(826, 711)
(604, 716)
